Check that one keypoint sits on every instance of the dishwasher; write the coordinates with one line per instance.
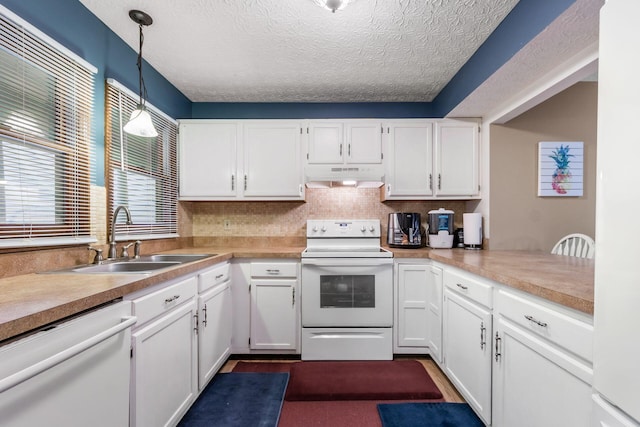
(74, 373)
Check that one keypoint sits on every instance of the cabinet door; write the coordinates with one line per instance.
(434, 312)
(272, 162)
(214, 336)
(536, 384)
(409, 160)
(208, 160)
(364, 142)
(274, 319)
(456, 154)
(467, 351)
(413, 305)
(164, 377)
(326, 142)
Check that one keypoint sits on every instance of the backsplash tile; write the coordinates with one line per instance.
(287, 220)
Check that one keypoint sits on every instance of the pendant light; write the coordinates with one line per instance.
(140, 123)
(332, 5)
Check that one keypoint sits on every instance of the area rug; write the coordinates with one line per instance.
(239, 400)
(428, 415)
(360, 380)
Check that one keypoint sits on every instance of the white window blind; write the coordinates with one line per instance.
(141, 172)
(46, 101)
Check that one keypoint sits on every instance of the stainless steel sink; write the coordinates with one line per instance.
(181, 258)
(124, 267)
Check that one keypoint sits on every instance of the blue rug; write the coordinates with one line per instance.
(239, 400)
(428, 415)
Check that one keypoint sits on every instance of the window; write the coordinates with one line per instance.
(141, 172)
(46, 101)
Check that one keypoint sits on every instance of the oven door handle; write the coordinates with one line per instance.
(348, 262)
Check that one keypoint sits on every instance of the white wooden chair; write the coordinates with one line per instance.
(578, 245)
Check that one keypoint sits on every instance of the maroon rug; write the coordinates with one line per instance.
(360, 380)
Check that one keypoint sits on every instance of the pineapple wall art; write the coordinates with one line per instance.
(560, 169)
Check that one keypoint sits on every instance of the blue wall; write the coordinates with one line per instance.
(72, 25)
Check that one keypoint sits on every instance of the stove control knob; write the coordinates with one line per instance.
(314, 229)
(323, 229)
(363, 228)
(372, 229)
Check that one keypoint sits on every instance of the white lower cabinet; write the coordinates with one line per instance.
(275, 318)
(164, 380)
(214, 322)
(418, 326)
(467, 350)
(542, 372)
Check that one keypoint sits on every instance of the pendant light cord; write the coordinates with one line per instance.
(143, 88)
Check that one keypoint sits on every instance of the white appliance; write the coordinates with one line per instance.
(616, 366)
(75, 373)
(347, 292)
(441, 228)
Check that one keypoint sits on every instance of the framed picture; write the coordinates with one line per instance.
(560, 169)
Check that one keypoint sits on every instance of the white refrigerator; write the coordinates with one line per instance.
(617, 261)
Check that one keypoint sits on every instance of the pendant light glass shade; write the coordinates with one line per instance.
(140, 124)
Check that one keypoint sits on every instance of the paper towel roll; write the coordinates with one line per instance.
(472, 224)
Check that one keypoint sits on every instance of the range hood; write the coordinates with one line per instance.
(331, 175)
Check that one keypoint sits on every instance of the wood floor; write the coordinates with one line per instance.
(449, 392)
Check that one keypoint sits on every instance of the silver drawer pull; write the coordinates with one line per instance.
(273, 271)
(536, 321)
(171, 299)
(461, 286)
(219, 276)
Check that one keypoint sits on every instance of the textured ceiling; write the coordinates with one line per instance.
(295, 51)
(572, 32)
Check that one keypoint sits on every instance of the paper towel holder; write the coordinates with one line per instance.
(472, 225)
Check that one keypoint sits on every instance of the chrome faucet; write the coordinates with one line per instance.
(112, 239)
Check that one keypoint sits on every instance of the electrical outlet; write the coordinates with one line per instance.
(227, 224)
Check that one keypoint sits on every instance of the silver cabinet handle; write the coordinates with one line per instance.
(461, 286)
(233, 182)
(349, 150)
(245, 182)
(483, 341)
(340, 150)
(171, 299)
(293, 297)
(273, 271)
(204, 310)
(498, 342)
(300, 189)
(195, 326)
(219, 276)
(430, 181)
(439, 182)
(536, 321)
(389, 189)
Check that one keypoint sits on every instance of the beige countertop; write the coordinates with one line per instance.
(28, 302)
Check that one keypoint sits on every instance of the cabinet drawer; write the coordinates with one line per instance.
(274, 269)
(471, 286)
(212, 277)
(571, 331)
(149, 306)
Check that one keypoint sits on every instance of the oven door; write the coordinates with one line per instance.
(347, 292)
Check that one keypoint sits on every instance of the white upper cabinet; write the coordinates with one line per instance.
(409, 171)
(272, 162)
(207, 159)
(427, 159)
(345, 141)
(230, 160)
(456, 158)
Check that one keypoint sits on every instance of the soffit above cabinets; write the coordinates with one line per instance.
(295, 51)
